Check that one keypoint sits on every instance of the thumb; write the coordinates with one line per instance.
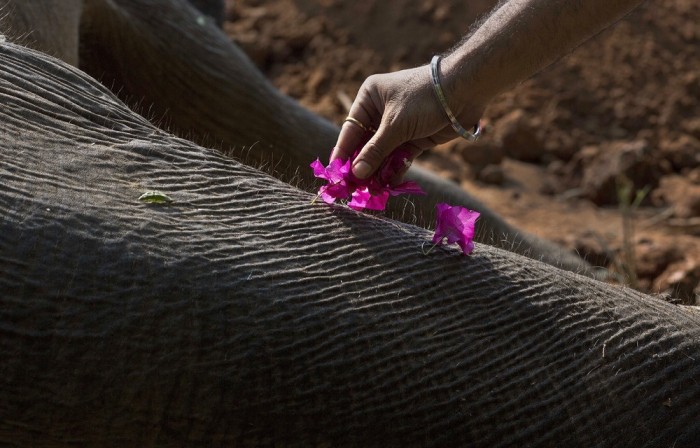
(375, 151)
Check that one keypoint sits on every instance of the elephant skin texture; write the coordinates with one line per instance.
(244, 315)
(51, 26)
(187, 76)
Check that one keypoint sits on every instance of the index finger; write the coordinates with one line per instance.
(352, 136)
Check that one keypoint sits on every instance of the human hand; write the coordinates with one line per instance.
(407, 113)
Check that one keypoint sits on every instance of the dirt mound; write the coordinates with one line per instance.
(565, 154)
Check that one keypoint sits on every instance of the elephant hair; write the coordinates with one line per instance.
(200, 85)
(51, 26)
(244, 315)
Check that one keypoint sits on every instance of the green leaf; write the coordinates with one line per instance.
(155, 197)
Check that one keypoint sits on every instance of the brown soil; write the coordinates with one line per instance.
(621, 113)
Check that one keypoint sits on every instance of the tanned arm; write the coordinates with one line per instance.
(518, 39)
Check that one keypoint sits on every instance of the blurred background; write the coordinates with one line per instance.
(599, 152)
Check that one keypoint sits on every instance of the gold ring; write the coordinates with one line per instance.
(357, 122)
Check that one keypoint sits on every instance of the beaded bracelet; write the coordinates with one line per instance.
(435, 75)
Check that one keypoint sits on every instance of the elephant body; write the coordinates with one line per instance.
(244, 315)
(52, 26)
(188, 77)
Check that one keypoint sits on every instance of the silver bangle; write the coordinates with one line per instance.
(435, 75)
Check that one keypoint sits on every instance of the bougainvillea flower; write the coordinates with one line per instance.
(398, 162)
(372, 193)
(329, 193)
(456, 224)
(336, 174)
(362, 199)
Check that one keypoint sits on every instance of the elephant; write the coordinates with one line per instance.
(243, 314)
(186, 76)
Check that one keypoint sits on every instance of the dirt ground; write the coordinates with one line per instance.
(600, 152)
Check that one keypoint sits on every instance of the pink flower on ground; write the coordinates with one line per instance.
(456, 224)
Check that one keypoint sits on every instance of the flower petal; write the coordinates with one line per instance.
(378, 201)
(319, 169)
(323, 193)
(397, 162)
(335, 171)
(359, 199)
(329, 193)
(456, 224)
(362, 199)
(467, 247)
(371, 193)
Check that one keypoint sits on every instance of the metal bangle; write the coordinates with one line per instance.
(435, 75)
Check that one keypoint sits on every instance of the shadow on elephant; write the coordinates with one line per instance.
(188, 77)
(248, 316)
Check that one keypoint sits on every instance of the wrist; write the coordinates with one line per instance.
(471, 134)
(465, 85)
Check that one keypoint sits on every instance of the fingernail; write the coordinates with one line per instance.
(362, 169)
(333, 151)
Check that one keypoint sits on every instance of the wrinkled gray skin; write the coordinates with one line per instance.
(186, 75)
(243, 315)
(51, 26)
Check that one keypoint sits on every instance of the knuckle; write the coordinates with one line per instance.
(367, 87)
(371, 81)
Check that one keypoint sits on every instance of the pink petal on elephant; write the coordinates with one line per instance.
(318, 169)
(338, 170)
(456, 224)
(329, 193)
(372, 193)
(362, 199)
(378, 201)
(335, 172)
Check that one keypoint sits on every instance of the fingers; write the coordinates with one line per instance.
(375, 151)
(350, 139)
(353, 135)
(390, 100)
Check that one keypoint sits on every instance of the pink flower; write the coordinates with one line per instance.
(398, 162)
(336, 174)
(335, 171)
(329, 193)
(362, 198)
(372, 193)
(456, 224)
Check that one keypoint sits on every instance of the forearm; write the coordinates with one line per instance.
(519, 39)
